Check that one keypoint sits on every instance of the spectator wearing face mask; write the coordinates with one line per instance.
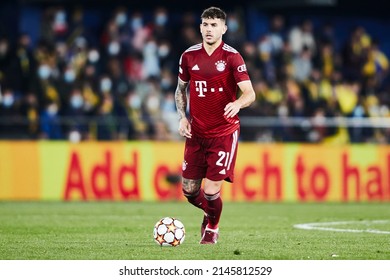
(10, 116)
(106, 121)
(46, 86)
(107, 125)
(139, 32)
(169, 115)
(66, 83)
(161, 28)
(50, 122)
(151, 65)
(236, 32)
(75, 114)
(167, 57)
(134, 126)
(152, 110)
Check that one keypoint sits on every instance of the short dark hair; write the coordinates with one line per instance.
(212, 13)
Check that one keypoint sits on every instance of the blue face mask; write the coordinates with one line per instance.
(69, 76)
(60, 17)
(165, 83)
(121, 19)
(136, 23)
(161, 19)
(233, 25)
(8, 100)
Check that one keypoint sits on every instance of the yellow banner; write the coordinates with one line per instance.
(20, 173)
(150, 171)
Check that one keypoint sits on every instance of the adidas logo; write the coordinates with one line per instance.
(223, 172)
(196, 67)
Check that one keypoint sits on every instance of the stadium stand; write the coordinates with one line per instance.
(108, 72)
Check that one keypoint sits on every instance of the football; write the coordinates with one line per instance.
(169, 231)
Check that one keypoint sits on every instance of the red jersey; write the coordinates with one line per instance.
(212, 84)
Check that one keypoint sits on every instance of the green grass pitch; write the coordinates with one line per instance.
(248, 231)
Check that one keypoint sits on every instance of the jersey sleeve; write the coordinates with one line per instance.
(184, 75)
(239, 68)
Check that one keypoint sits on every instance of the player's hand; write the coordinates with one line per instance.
(185, 128)
(232, 109)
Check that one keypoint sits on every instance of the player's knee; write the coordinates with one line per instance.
(190, 196)
(212, 187)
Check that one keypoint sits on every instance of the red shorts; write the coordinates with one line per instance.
(211, 158)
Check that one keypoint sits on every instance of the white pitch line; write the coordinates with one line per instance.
(327, 226)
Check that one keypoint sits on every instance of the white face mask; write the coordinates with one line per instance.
(74, 136)
(76, 101)
(134, 102)
(105, 85)
(52, 109)
(153, 103)
(150, 48)
(114, 48)
(384, 111)
(163, 50)
(93, 56)
(44, 71)
(282, 111)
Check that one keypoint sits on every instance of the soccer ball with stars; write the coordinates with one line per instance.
(169, 231)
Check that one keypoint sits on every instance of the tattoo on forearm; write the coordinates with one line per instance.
(181, 99)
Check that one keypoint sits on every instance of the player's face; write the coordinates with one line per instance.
(212, 30)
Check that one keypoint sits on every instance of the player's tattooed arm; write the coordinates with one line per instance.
(191, 187)
(181, 105)
(181, 98)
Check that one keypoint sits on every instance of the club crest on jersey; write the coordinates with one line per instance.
(221, 65)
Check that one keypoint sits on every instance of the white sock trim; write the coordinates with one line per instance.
(213, 230)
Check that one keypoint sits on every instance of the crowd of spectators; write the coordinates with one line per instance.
(119, 83)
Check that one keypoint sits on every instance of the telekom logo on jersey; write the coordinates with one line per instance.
(201, 87)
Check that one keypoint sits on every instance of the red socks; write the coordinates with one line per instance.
(214, 209)
(198, 199)
(209, 203)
